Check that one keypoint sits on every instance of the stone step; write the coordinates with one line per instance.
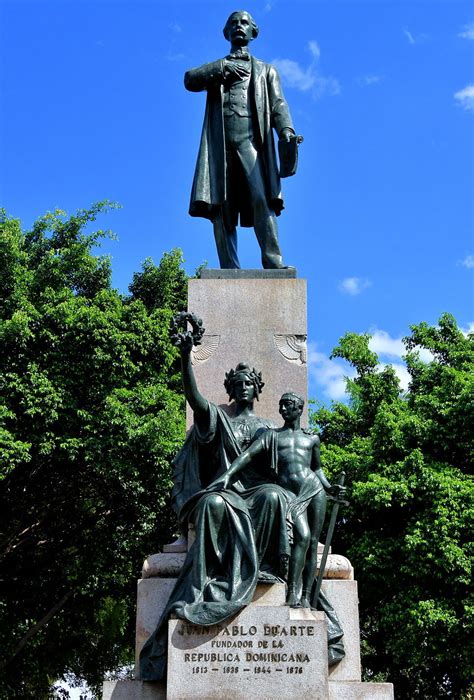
(338, 690)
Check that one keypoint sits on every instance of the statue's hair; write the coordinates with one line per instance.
(253, 23)
(243, 368)
(297, 399)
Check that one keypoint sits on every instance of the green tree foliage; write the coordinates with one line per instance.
(91, 413)
(408, 529)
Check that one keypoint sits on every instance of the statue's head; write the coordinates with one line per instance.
(240, 28)
(243, 383)
(291, 400)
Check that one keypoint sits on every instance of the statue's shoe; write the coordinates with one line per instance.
(280, 267)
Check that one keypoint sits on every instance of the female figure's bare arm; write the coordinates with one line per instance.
(184, 339)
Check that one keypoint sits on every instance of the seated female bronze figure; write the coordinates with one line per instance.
(241, 533)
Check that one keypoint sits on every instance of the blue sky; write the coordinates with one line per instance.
(379, 217)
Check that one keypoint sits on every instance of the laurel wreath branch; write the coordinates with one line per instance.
(180, 334)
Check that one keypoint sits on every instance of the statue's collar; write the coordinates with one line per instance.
(239, 55)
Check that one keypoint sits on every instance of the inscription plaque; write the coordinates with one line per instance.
(264, 652)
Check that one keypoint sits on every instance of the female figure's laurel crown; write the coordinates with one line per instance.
(243, 368)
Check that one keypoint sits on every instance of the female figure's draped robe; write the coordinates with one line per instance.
(222, 567)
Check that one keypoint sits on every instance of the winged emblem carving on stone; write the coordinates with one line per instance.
(203, 352)
(292, 347)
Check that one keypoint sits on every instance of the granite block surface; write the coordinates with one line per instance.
(263, 652)
(259, 321)
(152, 597)
(343, 596)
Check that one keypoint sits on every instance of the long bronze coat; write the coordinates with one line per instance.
(270, 110)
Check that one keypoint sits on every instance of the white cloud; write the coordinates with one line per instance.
(172, 54)
(354, 285)
(415, 38)
(314, 49)
(383, 344)
(468, 262)
(371, 79)
(307, 78)
(469, 329)
(467, 32)
(401, 372)
(295, 76)
(391, 352)
(425, 355)
(465, 97)
(268, 7)
(330, 375)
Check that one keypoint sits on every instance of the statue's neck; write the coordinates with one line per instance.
(243, 409)
(236, 50)
(293, 425)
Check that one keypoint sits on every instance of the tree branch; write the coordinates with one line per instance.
(36, 628)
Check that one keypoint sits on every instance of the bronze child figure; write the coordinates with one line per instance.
(295, 455)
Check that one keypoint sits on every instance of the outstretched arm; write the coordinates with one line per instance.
(198, 79)
(211, 74)
(195, 399)
(184, 339)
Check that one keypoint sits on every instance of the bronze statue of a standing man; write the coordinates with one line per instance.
(236, 171)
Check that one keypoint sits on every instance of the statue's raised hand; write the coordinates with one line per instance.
(183, 337)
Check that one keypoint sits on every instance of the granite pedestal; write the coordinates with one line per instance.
(268, 650)
(260, 320)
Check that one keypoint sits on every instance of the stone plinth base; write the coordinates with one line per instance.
(261, 622)
(210, 273)
(152, 597)
(153, 594)
(337, 690)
